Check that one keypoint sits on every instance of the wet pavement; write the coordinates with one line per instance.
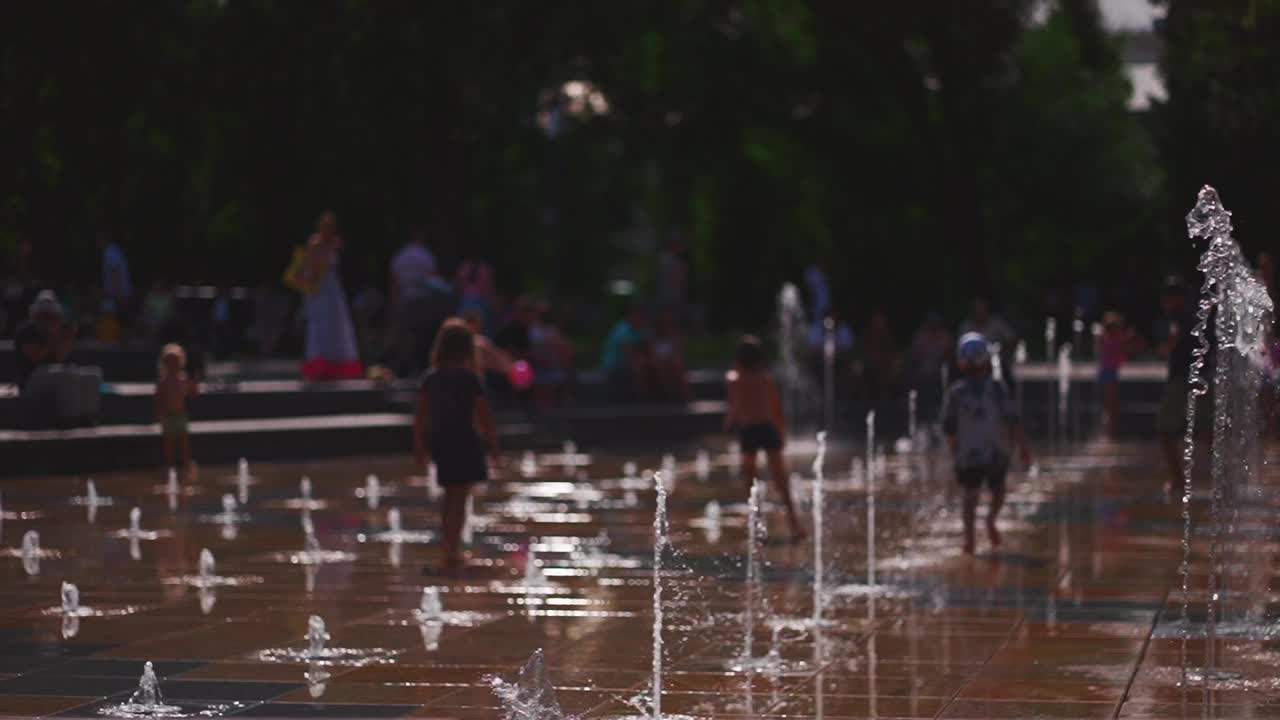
(1069, 619)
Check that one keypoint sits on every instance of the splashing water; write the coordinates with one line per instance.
(791, 338)
(660, 541)
(90, 493)
(171, 489)
(242, 480)
(468, 520)
(206, 566)
(316, 636)
(528, 464)
(702, 465)
(1240, 309)
(712, 516)
(871, 498)
(754, 571)
(1064, 390)
(146, 701)
(430, 607)
(31, 543)
(372, 492)
(669, 469)
(148, 692)
(394, 522)
(70, 599)
(533, 575)
(531, 696)
(304, 488)
(135, 521)
(818, 507)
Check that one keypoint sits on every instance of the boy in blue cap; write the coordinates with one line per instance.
(981, 421)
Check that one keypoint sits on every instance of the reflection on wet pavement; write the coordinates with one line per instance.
(1076, 616)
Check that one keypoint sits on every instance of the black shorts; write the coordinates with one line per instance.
(759, 436)
(459, 462)
(972, 478)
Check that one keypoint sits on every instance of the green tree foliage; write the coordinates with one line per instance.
(1219, 124)
(927, 151)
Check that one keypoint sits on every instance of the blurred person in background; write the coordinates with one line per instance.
(331, 350)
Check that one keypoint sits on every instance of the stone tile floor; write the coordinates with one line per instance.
(1056, 624)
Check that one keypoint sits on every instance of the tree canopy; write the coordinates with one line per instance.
(927, 151)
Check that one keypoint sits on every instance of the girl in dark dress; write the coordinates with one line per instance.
(454, 426)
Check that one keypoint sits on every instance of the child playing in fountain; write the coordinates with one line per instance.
(755, 412)
(454, 426)
(981, 421)
(173, 387)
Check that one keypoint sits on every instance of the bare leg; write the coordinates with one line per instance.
(453, 517)
(969, 510)
(748, 468)
(783, 483)
(187, 465)
(170, 450)
(1111, 406)
(997, 502)
(1173, 458)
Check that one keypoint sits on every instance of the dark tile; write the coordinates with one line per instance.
(52, 650)
(226, 691)
(17, 664)
(67, 685)
(323, 710)
(94, 667)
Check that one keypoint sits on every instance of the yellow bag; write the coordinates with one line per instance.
(295, 275)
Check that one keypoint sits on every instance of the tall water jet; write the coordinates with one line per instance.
(818, 508)
(754, 571)
(1019, 363)
(135, 521)
(629, 469)
(395, 524)
(997, 363)
(871, 498)
(660, 541)
(528, 464)
(90, 493)
(304, 488)
(791, 332)
(1064, 391)
(171, 489)
(372, 492)
(913, 402)
(1239, 307)
(1050, 353)
(242, 481)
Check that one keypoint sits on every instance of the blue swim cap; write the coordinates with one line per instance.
(973, 349)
